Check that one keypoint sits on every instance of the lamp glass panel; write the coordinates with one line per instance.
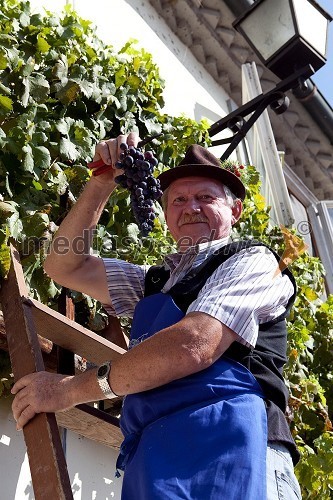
(269, 26)
(312, 25)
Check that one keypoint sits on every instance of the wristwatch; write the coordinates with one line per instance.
(103, 380)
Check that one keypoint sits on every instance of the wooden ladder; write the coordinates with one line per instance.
(28, 323)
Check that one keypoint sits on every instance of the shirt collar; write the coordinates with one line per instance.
(172, 260)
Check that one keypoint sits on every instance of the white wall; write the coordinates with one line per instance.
(187, 82)
(91, 466)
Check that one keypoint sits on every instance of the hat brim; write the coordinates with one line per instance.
(198, 170)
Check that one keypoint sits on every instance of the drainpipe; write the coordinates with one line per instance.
(315, 103)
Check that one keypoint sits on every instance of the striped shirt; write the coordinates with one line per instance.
(241, 293)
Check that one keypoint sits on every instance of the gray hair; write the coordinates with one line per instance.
(229, 196)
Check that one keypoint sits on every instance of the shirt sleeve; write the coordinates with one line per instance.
(126, 286)
(245, 291)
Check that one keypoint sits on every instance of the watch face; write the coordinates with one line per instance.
(102, 370)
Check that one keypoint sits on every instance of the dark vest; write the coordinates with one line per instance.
(266, 360)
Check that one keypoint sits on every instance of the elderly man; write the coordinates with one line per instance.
(202, 378)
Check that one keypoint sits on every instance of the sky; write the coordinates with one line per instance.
(323, 78)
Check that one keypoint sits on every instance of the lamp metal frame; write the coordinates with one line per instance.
(275, 98)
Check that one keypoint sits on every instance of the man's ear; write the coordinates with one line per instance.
(236, 211)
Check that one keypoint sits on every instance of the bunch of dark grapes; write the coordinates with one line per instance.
(144, 188)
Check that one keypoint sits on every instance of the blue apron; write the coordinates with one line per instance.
(200, 437)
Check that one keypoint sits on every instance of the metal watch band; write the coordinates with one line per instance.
(103, 380)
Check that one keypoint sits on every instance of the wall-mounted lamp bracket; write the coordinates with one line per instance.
(274, 98)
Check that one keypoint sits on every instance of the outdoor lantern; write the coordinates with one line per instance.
(286, 34)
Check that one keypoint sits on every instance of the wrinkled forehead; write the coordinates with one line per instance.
(196, 183)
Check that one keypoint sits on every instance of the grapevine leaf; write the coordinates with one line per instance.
(39, 87)
(28, 159)
(68, 92)
(4, 253)
(42, 157)
(42, 45)
(7, 208)
(24, 19)
(6, 104)
(15, 226)
(133, 232)
(4, 89)
(60, 69)
(121, 76)
(63, 126)
(68, 150)
(36, 224)
(310, 294)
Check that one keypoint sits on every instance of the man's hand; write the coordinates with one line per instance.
(109, 152)
(40, 392)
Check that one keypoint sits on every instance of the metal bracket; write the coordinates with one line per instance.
(274, 98)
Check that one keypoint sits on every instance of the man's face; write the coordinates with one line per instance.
(197, 211)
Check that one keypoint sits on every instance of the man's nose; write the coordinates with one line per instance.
(192, 206)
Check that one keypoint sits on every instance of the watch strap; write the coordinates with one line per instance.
(103, 380)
